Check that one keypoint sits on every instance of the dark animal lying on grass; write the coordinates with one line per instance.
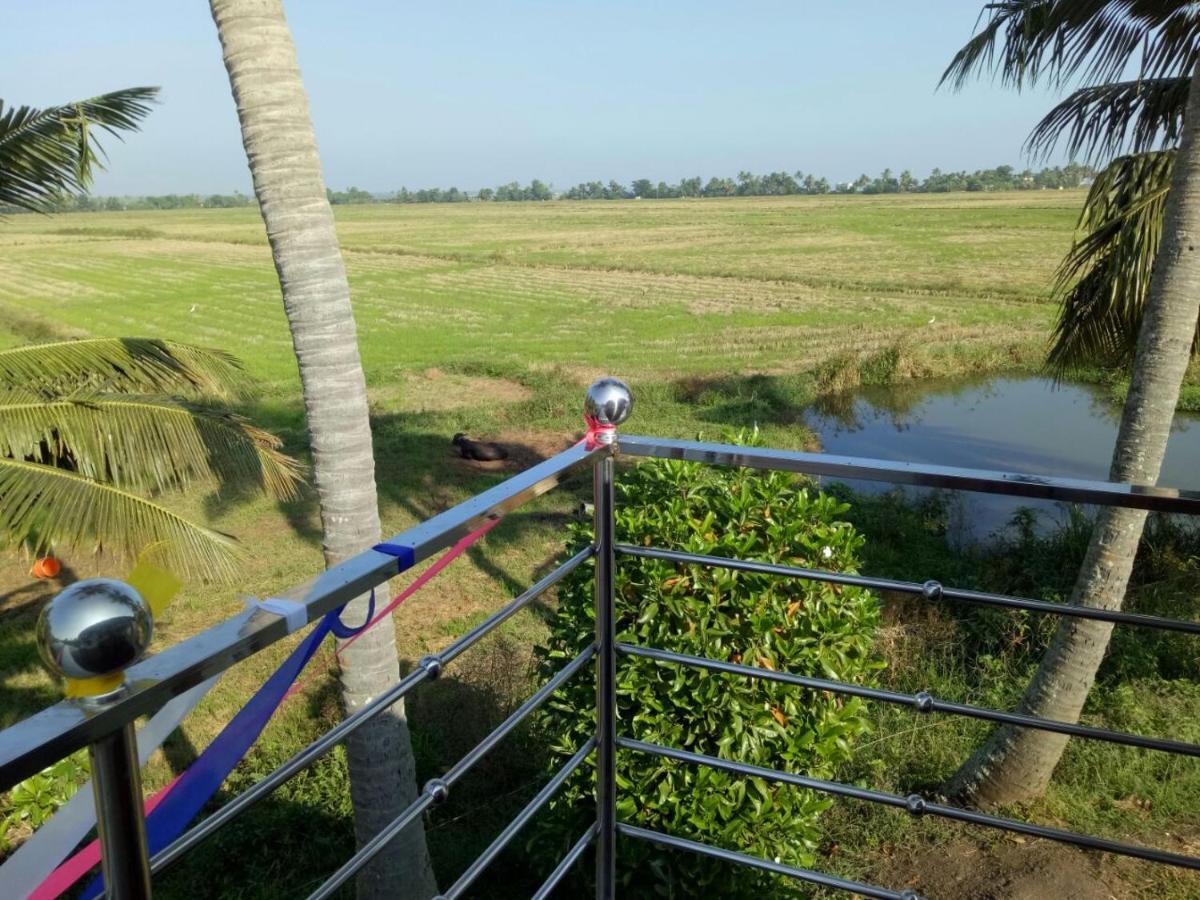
(481, 450)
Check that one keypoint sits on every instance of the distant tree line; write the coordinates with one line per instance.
(535, 190)
(746, 184)
(88, 203)
(774, 184)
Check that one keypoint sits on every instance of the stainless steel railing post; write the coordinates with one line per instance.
(608, 404)
(90, 633)
(117, 785)
(606, 693)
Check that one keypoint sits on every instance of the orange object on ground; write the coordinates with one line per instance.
(46, 567)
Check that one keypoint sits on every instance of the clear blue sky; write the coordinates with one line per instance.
(477, 93)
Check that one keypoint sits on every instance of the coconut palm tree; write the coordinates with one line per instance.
(47, 153)
(282, 151)
(1131, 63)
(1133, 280)
(92, 430)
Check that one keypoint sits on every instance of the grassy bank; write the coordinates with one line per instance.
(1149, 684)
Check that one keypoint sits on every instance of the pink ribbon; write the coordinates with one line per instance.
(419, 582)
(61, 879)
(596, 428)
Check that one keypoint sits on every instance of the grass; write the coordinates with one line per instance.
(638, 287)
(1148, 685)
(491, 318)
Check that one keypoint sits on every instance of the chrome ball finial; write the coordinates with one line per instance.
(608, 404)
(94, 628)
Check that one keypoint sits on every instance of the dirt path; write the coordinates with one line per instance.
(1014, 868)
(1032, 870)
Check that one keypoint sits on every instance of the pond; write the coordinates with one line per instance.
(1027, 425)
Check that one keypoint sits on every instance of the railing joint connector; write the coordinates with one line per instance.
(437, 790)
(432, 666)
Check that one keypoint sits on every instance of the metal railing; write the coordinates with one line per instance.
(105, 725)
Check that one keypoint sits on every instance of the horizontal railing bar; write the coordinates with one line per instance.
(522, 712)
(205, 829)
(494, 849)
(869, 795)
(744, 859)
(371, 848)
(429, 667)
(444, 529)
(47, 736)
(911, 587)
(437, 788)
(716, 665)
(506, 612)
(1074, 490)
(917, 805)
(565, 864)
(922, 702)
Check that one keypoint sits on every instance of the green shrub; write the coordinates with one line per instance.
(802, 627)
(32, 801)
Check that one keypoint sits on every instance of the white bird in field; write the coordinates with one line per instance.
(932, 319)
(195, 307)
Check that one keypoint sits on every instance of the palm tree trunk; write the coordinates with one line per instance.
(1016, 764)
(281, 147)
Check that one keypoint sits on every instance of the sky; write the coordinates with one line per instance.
(468, 94)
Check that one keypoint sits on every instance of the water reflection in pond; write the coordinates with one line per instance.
(1027, 425)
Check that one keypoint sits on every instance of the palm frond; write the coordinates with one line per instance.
(144, 365)
(47, 152)
(1015, 29)
(1103, 282)
(48, 507)
(1108, 119)
(145, 444)
(1026, 42)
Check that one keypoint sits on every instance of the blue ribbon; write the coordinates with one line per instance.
(201, 780)
(196, 786)
(405, 555)
(340, 630)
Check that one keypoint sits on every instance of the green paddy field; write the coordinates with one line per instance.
(648, 289)
(491, 318)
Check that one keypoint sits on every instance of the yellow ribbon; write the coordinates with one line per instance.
(93, 687)
(157, 586)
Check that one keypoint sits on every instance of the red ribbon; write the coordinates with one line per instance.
(596, 428)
